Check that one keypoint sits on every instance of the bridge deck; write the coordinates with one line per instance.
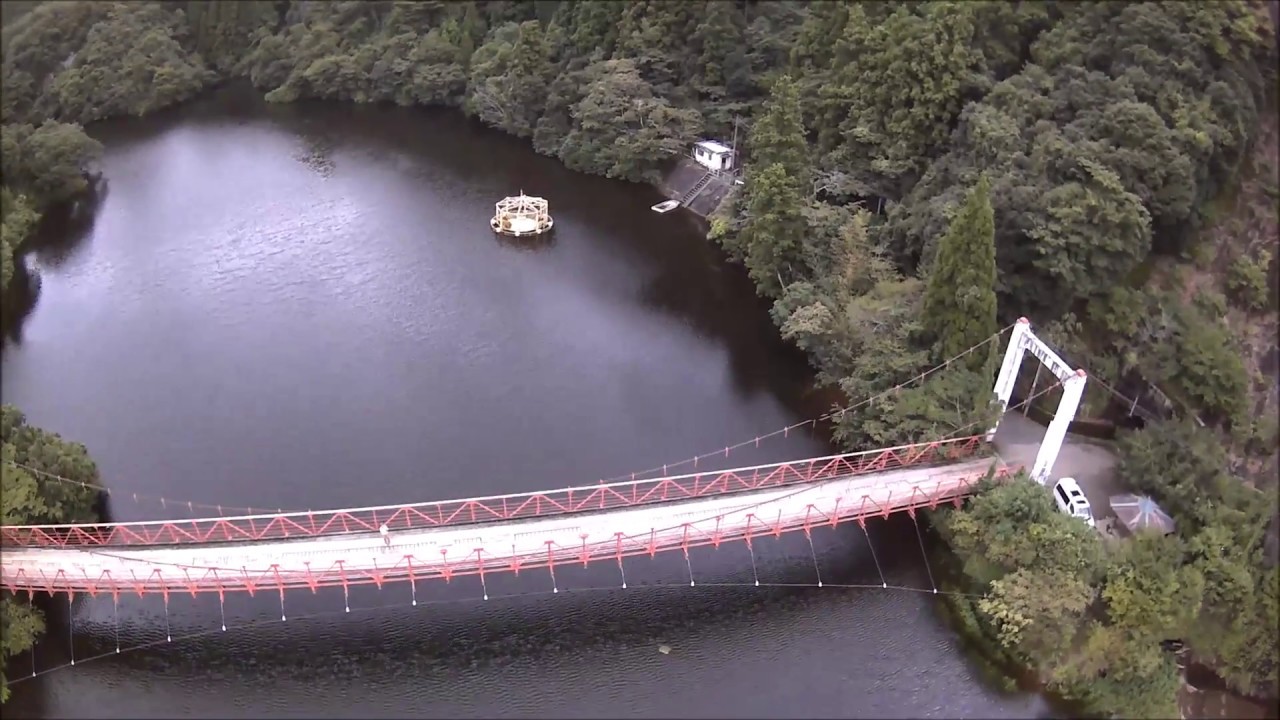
(421, 553)
(497, 508)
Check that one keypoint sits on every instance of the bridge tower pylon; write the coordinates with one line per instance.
(1022, 341)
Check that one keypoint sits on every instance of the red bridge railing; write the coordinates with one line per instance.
(498, 508)
(174, 578)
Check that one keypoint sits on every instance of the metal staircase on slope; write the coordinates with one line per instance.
(697, 189)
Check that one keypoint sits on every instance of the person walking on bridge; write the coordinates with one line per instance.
(386, 535)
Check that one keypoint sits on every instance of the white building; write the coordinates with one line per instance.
(713, 155)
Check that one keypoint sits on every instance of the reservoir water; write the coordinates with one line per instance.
(303, 307)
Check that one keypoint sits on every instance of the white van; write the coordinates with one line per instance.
(1071, 500)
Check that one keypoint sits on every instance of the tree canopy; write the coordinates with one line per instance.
(29, 458)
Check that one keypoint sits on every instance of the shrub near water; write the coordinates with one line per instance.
(1046, 582)
(1089, 622)
(27, 453)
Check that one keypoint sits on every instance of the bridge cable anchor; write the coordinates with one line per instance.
(168, 633)
(813, 554)
(484, 587)
(551, 567)
(883, 584)
(413, 581)
(754, 573)
(71, 634)
(924, 555)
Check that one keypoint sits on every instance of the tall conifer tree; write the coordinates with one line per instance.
(960, 300)
(778, 135)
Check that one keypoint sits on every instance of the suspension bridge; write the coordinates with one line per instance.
(607, 521)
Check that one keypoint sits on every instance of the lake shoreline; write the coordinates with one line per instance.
(267, 326)
(820, 393)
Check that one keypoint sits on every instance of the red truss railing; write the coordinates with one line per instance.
(169, 578)
(498, 508)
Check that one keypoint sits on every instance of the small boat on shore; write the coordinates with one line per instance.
(666, 206)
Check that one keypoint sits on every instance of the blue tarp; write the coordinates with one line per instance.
(1139, 512)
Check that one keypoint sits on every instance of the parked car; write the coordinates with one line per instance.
(1071, 500)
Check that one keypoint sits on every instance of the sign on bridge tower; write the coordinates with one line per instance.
(1021, 342)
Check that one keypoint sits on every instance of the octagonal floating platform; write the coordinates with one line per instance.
(521, 216)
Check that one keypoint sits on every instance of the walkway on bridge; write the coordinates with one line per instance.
(827, 490)
(514, 532)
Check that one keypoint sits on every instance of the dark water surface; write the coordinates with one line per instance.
(303, 307)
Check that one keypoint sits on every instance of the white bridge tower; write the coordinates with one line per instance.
(1022, 341)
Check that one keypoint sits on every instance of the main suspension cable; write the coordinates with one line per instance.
(812, 422)
(756, 583)
(223, 510)
(129, 649)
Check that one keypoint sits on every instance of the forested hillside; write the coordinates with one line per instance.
(918, 174)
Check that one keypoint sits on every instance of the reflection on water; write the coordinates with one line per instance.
(62, 230)
(785, 649)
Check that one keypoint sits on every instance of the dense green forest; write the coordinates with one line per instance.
(27, 453)
(918, 174)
